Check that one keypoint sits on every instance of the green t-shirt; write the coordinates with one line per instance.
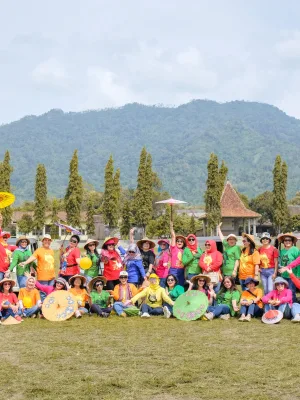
(286, 257)
(176, 292)
(227, 297)
(100, 298)
(191, 261)
(18, 257)
(94, 270)
(230, 255)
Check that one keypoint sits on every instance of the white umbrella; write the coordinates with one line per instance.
(171, 202)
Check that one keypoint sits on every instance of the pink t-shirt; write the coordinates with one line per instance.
(267, 257)
(176, 257)
(162, 270)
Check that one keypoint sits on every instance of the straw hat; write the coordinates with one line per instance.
(72, 279)
(196, 277)
(113, 240)
(250, 237)
(4, 233)
(289, 234)
(281, 280)
(10, 321)
(22, 238)
(98, 278)
(140, 243)
(272, 317)
(181, 237)
(90, 241)
(13, 283)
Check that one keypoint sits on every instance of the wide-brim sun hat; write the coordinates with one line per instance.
(72, 279)
(89, 241)
(265, 235)
(279, 279)
(180, 237)
(249, 237)
(140, 243)
(272, 317)
(13, 283)
(290, 235)
(249, 280)
(10, 321)
(166, 241)
(94, 280)
(22, 238)
(231, 235)
(5, 233)
(110, 240)
(62, 281)
(196, 277)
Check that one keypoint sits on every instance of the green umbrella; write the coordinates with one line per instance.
(131, 311)
(190, 305)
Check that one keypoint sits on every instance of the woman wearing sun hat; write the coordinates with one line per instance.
(77, 283)
(281, 298)
(251, 303)
(162, 260)
(191, 256)
(249, 261)
(112, 262)
(146, 247)
(92, 253)
(288, 254)
(5, 253)
(21, 254)
(231, 254)
(178, 244)
(9, 305)
(268, 262)
(203, 284)
(99, 298)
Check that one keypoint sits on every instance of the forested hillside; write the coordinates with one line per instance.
(246, 135)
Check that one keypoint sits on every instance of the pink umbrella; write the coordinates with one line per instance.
(171, 202)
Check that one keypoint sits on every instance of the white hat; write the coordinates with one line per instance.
(231, 235)
(46, 237)
(124, 273)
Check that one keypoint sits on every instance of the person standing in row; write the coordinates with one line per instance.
(231, 254)
(191, 256)
(94, 256)
(21, 254)
(112, 262)
(249, 261)
(268, 262)
(69, 259)
(178, 243)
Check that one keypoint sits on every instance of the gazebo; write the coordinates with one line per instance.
(236, 217)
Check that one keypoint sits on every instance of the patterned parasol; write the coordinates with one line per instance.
(59, 306)
(190, 305)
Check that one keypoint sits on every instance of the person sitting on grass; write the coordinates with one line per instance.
(30, 299)
(154, 296)
(227, 301)
(9, 305)
(204, 285)
(173, 290)
(295, 311)
(99, 298)
(281, 298)
(251, 303)
(59, 284)
(78, 290)
(122, 293)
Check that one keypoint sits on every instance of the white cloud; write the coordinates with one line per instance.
(50, 72)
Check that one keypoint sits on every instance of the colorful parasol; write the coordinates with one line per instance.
(69, 229)
(171, 202)
(59, 306)
(190, 305)
(272, 317)
(6, 199)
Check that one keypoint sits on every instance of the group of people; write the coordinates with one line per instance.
(143, 280)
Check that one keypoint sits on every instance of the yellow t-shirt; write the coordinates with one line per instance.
(29, 297)
(45, 264)
(80, 295)
(247, 264)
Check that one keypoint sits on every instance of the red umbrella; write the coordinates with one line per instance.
(171, 202)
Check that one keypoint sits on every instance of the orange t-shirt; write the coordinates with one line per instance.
(80, 295)
(248, 296)
(29, 297)
(45, 264)
(247, 264)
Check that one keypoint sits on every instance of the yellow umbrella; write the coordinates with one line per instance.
(6, 199)
(59, 305)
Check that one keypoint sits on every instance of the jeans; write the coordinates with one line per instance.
(189, 276)
(95, 308)
(28, 312)
(22, 279)
(284, 308)
(217, 287)
(8, 312)
(293, 288)
(295, 309)
(2, 275)
(119, 307)
(218, 310)
(162, 282)
(179, 273)
(266, 279)
(242, 283)
(151, 310)
(252, 309)
(83, 310)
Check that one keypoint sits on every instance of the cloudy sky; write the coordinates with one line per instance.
(79, 55)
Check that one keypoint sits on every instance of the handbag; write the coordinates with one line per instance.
(214, 276)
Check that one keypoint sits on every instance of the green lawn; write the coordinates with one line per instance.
(154, 358)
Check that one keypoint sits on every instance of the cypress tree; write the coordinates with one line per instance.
(116, 195)
(40, 200)
(5, 173)
(280, 210)
(90, 225)
(126, 219)
(212, 194)
(54, 218)
(222, 177)
(74, 194)
(111, 196)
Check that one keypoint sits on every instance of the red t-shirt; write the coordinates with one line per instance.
(267, 256)
(71, 260)
(11, 297)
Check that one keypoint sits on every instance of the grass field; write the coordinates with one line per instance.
(154, 358)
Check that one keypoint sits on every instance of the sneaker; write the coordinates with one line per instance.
(225, 317)
(209, 316)
(242, 318)
(33, 316)
(77, 314)
(123, 314)
(105, 315)
(145, 315)
(18, 318)
(167, 312)
(247, 318)
(296, 318)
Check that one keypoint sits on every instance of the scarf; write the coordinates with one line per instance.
(22, 249)
(136, 256)
(124, 292)
(192, 246)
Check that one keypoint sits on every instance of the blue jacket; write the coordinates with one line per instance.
(135, 271)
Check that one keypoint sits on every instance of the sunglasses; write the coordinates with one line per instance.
(191, 240)
(207, 245)
(201, 280)
(6, 284)
(123, 277)
(73, 241)
(60, 283)
(91, 244)
(280, 284)
(23, 241)
(245, 241)
(171, 280)
(99, 284)
(179, 241)
(287, 240)
(131, 252)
